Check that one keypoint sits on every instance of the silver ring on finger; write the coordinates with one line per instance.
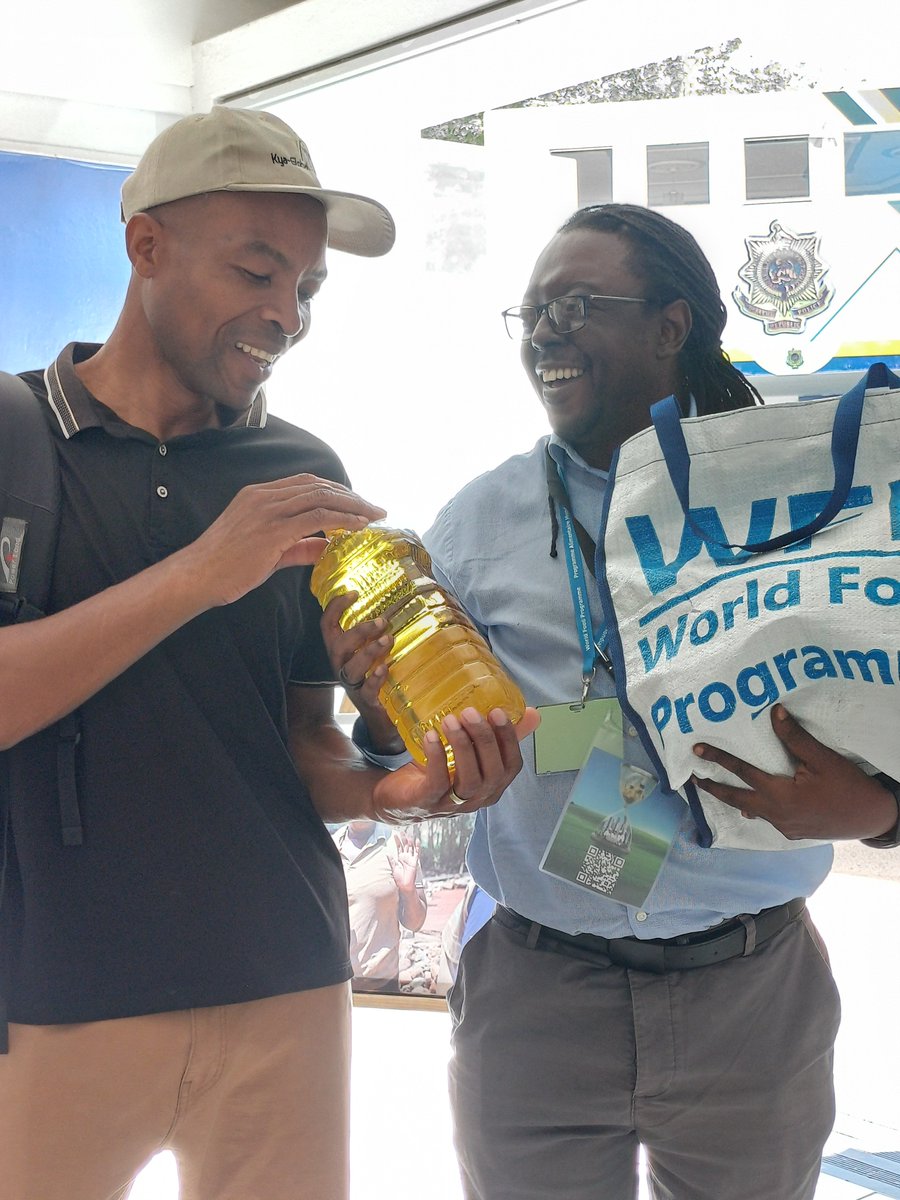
(457, 800)
(351, 687)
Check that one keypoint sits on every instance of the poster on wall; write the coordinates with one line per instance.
(63, 267)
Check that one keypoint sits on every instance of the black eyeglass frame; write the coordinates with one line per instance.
(516, 313)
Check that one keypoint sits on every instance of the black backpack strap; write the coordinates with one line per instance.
(29, 522)
(29, 503)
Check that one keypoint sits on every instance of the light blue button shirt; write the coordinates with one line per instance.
(491, 545)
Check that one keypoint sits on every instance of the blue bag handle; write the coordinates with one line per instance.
(666, 417)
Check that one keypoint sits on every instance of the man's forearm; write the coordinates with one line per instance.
(50, 666)
(339, 780)
(413, 909)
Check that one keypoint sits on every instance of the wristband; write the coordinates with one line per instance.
(891, 839)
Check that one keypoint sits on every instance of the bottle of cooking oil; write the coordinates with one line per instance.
(439, 663)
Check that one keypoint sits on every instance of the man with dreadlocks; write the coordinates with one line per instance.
(700, 1025)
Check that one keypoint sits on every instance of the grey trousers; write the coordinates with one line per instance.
(561, 1069)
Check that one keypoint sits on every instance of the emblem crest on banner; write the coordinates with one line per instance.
(783, 280)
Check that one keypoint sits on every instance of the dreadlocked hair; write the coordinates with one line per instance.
(674, 267)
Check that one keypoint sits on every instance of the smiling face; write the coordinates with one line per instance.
(226, 285)
(597, 384)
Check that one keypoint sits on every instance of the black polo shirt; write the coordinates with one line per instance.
(204, 876)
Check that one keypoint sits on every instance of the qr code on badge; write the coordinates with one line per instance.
(600, 869)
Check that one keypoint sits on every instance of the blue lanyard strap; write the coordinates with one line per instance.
(592, 649)
(580, 603)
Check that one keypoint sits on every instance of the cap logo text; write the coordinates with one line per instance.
(283, 160)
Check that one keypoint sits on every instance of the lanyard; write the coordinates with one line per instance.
(575, 537)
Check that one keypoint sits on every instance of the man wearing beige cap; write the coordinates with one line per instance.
(173, 921)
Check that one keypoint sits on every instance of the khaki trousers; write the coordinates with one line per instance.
(253, 1099)
(562, 1069)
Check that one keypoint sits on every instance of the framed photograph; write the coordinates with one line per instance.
(413, 904)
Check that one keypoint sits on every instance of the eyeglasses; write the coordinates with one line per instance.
(565, 314)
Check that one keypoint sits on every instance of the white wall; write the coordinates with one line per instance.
(97, 80)
(94, 80)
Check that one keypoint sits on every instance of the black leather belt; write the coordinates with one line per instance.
(732, 939)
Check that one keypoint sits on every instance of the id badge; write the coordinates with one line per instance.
(563, 740)
(617, 827)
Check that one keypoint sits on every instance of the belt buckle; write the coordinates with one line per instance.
(640, 956)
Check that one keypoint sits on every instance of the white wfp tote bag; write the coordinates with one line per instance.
(715, 614)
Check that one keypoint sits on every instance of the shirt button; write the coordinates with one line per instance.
(640, 916)
(631, 731)
(164, 450)
(162, 492)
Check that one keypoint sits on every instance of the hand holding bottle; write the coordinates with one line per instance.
(265, 527)
(359, 660)
(437, 663)
(486, 760)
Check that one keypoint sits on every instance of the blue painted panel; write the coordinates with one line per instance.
(848, 107)
(872, 163)
(63, 267)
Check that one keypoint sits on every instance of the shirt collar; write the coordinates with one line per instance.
(375, 841)
(560, 450)
(76, 409)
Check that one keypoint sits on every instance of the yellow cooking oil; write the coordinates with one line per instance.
(439, 663)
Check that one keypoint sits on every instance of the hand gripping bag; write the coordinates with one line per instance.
(751, 557)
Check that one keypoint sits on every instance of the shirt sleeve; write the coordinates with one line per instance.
(440, 541)
(310, 665)
(360, 739)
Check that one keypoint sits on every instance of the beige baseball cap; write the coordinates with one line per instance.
(242, 150)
